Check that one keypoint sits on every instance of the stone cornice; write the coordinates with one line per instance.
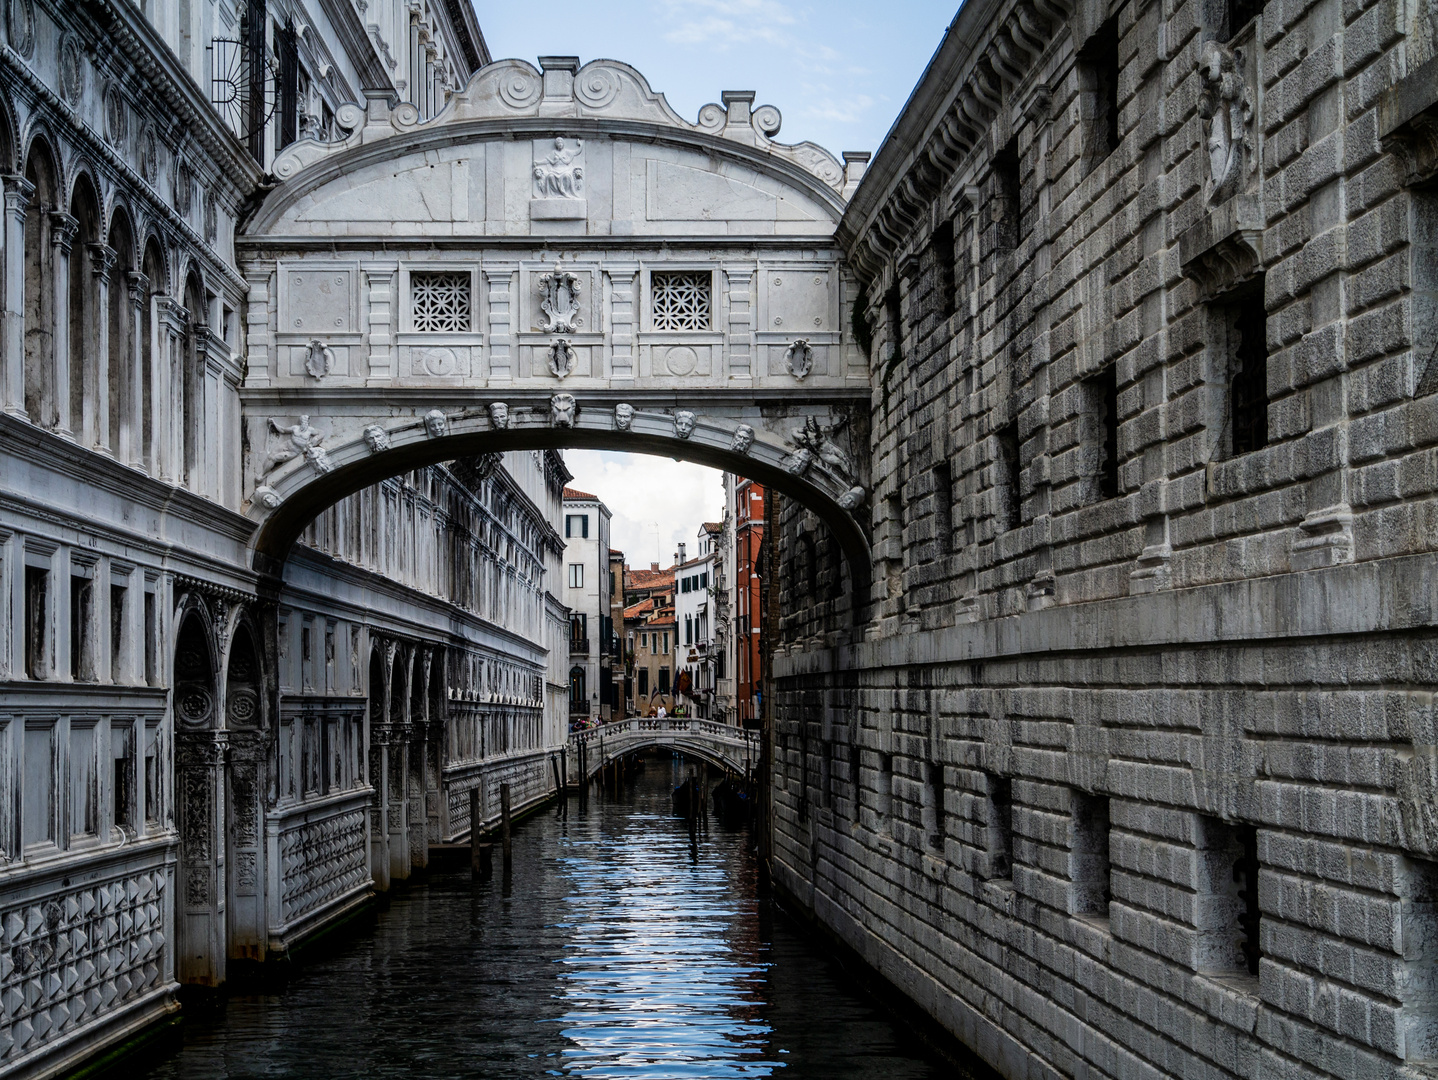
(268, 245)
(357, 45)
(134, 38)
(986, 53)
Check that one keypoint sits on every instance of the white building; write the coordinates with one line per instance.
(697, 662)
(586, 593)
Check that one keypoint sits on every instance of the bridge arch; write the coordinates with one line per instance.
(556, 260)
(732, 749)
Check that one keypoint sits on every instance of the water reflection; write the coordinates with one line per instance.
(616, 950)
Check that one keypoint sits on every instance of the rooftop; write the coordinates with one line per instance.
(575, 493)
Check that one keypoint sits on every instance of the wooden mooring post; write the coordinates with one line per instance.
(481, 859)
(504, 822)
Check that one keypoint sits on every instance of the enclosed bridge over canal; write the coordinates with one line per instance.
(1100, 411)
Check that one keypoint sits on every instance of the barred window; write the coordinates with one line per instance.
(440, 301)
(681, 301)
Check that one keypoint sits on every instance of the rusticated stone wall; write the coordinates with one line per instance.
(1130, 769)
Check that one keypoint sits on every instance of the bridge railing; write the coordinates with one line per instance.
(709, 730)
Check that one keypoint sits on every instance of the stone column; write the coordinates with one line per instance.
(18, 192)
(170, 321)
(257, 327)
(197, 412)
(95, 424)
(623, 315)
(200, 775)
(739, 348)
(132, 450)
(397, 811)
(379, 738)
(380, 280)
(62, 236)
(501, 361)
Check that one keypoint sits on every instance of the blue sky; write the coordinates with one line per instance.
(839, 72)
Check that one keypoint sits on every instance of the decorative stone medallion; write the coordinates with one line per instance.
(22, 26)
(72, 69)
(117, 116)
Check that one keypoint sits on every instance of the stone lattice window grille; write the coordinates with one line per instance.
(440, 302)
(681, 301)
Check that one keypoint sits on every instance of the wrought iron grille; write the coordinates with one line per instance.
(231, 75)
(680, 301)
(439, 301)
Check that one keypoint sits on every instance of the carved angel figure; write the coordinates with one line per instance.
(559, 176)
(623, 415)
(435, 423)
(561, 410)
(1227, 108)
(376, 438)
(499, 415)
(301, 438)
(562, 358)
(743, 439)
(683, 423)
(819, 442)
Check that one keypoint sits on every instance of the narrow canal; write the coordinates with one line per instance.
(615, 949)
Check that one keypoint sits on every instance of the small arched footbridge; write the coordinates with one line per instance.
(729, 747)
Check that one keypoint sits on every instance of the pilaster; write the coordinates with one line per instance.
(18, 192)
(62, 237)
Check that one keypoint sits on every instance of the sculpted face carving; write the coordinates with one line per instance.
(435, 423)
(623, 415)
(743, 439)
(317, 457)
(377, 438)
(499, 415)
(851, 499)
(684, 423)
(267, 497)
(561, 410)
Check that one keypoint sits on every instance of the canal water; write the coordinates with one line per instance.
(615, 949)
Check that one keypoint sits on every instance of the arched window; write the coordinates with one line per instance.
(578, 695)
(40, 396)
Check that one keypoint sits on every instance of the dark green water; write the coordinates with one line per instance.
(616, 949)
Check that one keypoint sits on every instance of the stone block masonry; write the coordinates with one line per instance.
(1129, 770)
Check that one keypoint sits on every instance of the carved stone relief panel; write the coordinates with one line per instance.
(558, 180)
(565, 307)
(437, 361)
(318, 300)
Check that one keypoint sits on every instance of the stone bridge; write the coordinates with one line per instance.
(731, 748)
(555, 260)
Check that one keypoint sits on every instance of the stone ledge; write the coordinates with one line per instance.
(1383, 595)
(1408, 123)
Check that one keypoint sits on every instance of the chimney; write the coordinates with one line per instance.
(681, 554)
(654, 567)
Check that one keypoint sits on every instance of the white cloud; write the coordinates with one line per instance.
(642, 491)
(721, 23)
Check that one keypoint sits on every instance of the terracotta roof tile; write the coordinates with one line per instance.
(575, 493)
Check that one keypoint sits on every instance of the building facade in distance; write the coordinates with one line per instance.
(744, 508)
(587, 595)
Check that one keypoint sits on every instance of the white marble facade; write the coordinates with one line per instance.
(197, 771)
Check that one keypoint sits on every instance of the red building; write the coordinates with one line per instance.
(748, 512)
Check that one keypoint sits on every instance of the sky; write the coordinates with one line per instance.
(838, 71)
(643, 492)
